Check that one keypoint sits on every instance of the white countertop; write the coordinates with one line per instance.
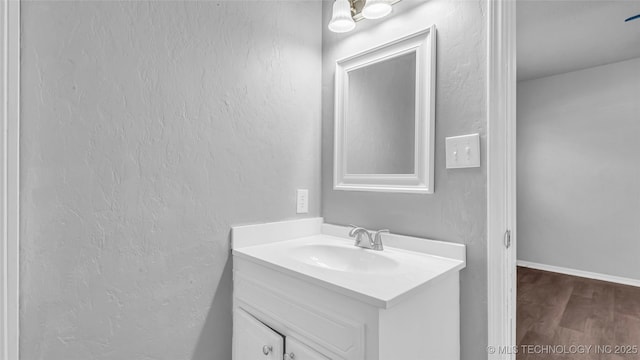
(407, 271)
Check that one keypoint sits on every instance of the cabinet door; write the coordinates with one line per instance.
(253, 340)
(295, 350)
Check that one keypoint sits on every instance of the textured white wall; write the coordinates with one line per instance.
(457, 210)
(578, 170)
(148, 128)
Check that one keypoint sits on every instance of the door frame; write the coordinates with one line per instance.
(501, 179)
(9, 178)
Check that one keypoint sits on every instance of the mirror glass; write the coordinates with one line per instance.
(380, 125)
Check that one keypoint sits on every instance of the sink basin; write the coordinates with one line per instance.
(343, 258)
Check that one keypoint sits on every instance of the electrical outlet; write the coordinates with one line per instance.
(302, 201)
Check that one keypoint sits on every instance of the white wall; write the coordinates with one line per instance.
(148, 128)
(457, 210)
(579, 171)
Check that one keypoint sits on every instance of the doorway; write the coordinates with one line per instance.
(578, 278)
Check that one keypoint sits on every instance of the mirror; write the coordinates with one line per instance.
(384, 117)
(380, 132)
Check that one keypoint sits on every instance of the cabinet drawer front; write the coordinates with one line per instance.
(339, 335)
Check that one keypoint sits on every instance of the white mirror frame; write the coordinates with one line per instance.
(423, 43)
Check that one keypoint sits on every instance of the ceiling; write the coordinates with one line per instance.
(557, 36)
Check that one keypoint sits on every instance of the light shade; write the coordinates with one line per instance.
(375, 9)
(341, 21)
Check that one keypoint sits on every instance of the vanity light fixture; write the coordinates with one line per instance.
(341, 21)
(376, 9)
(347, 12)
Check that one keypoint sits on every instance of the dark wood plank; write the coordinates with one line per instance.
(626, 330)
(603, 297)
(627, 301)
(576, 313)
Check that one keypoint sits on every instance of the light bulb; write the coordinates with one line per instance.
(341, 21)
(376, 9)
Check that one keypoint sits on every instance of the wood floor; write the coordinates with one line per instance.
(556, 309)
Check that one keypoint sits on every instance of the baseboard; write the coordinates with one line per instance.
(580, 273)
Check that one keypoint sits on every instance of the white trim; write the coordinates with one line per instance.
(580, 273)
(501, 196)
(423, 44)
(9, 173)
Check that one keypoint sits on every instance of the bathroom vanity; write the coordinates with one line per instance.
(302, 290)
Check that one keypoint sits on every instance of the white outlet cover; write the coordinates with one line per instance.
(463, 151)
(302, 201)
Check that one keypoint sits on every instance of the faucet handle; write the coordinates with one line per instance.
(383, 231)
(355, 230)
(378, 238)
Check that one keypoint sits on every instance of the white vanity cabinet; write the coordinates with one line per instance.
(309, 327)
(318, 297)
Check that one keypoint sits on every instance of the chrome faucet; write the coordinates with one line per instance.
(374, 241)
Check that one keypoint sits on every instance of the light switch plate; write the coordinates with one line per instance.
(302, 201)
(463, 151)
